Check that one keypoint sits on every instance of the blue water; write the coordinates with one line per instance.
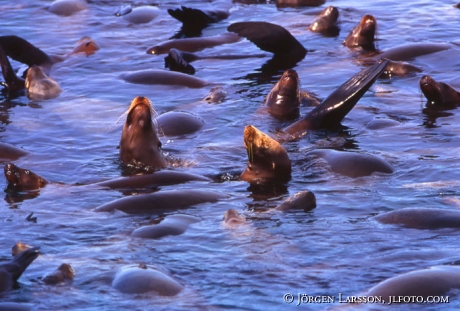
(333, 249)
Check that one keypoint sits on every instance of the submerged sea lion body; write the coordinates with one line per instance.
(176, 123)
(421, 218)
(303, 200)
(11, 271)
(326, 22)
(164, 77)
(139, 143)
(138, 15)
(9, 152)
(170, 225)
(141, 279)
(439, 94)
(435, 281)
(336, 106)
(67, 7)
(267, 159)
(63, 273)
(352, 164)
(39, 85)
(160, 202)
(283, 101)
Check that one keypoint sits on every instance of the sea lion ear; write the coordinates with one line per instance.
(269, 37)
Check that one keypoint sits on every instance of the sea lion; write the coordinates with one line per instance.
(362, 36)
(408, 52)
(22, 179)
(434, 281)
(169, 225)
(194, 44)
(439, 94)
(399, 69)
(421, 218)
(352, 164)
(9, 152)
(296, 3)
(305, 200)
(195, 20)
(142, 279)
(163, 77)
(160, 202)
(177, 123)
(138, 15)
(19, 248)
(67, 7)
(139, 143)
(283, 101)
(13, 84)
(336, 106)
(232, 218)
(11, 271)
(326, 22)
(39, 85)
(267, 159)
(63, 273)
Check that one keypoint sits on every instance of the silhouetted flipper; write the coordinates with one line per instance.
(11, 271)
(336, 106)
(177, 61)
(12, 83)
(194, 20)
(23, 51)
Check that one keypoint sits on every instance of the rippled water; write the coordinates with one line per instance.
(333, 249)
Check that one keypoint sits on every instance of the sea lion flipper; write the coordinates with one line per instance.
(12, 82)
(23, 51)
(190, 17)
(270, 37)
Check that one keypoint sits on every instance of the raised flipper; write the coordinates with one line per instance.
(12, 83)
(176, 61)
(11, 271)
(271, 38)
(336, 106)
(195, 18)
(23, 51)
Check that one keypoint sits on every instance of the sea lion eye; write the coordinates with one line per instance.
(27, 172)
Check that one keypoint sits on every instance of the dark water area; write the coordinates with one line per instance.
(335, 248)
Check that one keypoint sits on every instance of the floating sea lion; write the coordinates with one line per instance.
(39, 85)
(67, 7)
(138, 15)
(434, 281)
(283, 101)
(296, 3)
(9, 152)
(362, 36)
(139, 143)
(169, 225)
(164, 77)
(63, 273)
(336, 106)
(19, 248)
(410, 51)
(194, 20)
(232, 218)
(399, 69)
(305, 200)
(141, 279)
(267, 159)
(177, 123)
(11, 271)
(194, 44)
(22, 179)
(326, 22)
(160, 202)
(421, 218)
(439, 94)
(352, 164)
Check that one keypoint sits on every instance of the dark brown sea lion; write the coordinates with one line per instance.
(296, 3)
(303, 200)
(11, 271)
(141, 279)
(326, 22)
(194, 20)
(434, 281)
(410, 51)
(400, 69)
(139, 144)
(362, 36)
(267, 159)
(164, 77)
(352, 164)
(9, 152)
(160, 202)
(169, 225)
(439, 94)
(19, 248)
(194, 44)
(39, 85)
(283, 101)
(336, 106)
(177, 123)
(421, 218)
(23, 179)
(63, 273)
(232, 218)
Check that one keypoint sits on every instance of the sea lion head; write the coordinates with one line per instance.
(22, 179)
(67, 271)
(86, 45)
(39, 85)
(326, 21)
(232, 217)
(363, 35)
(139, 144)
(268, 161)
(439, 94)
(283, 101)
